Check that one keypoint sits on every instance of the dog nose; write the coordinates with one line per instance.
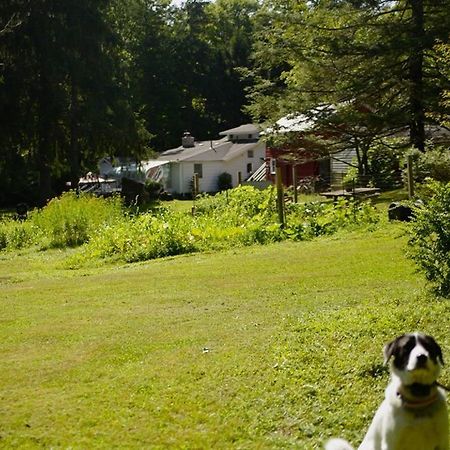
(422, 359)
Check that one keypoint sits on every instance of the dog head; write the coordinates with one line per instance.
(415, 358)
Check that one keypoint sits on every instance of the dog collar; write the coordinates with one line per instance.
(417, 403)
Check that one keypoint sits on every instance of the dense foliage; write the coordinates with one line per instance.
(429, 237)
(81, 80)
(237, 217)
(359, 70)
(68, 221)
(434, 164)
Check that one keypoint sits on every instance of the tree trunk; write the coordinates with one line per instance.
(416, 96)
(74, 149)
(44, 150)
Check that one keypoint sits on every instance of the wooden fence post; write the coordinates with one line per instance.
(195, 189)
(195, 185)
(280, 196)
(294, 183)
(409, 166)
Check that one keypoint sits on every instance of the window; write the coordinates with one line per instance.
(198, 169)
(250, 154)
(249, 168)
(273, 165)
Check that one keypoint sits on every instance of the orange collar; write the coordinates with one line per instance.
(418, 404)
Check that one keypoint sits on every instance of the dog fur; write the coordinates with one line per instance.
(413, 415)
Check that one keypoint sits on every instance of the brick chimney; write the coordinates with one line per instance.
(187, 140)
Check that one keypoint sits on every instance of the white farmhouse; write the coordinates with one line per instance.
(239, 153)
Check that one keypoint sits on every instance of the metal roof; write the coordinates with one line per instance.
(218, 150)
(248, 128)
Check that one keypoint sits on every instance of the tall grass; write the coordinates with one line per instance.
(70, 220)
(67, 221)
(16, 235)
(238, 217)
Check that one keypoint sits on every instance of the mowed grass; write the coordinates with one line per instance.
(261, 347)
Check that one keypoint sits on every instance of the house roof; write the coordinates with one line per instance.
(248, 128)
(300, 122)
(216, 150)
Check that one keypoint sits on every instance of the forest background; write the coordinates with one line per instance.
(81, 79)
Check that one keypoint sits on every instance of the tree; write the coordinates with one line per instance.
(373, 59)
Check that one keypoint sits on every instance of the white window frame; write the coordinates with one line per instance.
(198, 172)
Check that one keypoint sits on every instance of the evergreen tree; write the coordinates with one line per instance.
(62, 90)
(375, 60)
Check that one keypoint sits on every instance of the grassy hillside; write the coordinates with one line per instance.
(262, 347)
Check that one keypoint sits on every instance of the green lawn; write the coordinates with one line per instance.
(261, 347)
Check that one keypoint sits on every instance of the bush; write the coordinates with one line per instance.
(71, 219)
(238, 217)
(224, 182)
(429, 237)
(434, 163)
(309, 220)
(16, 235)
(385, 171)
(153, 188)
(140, 238)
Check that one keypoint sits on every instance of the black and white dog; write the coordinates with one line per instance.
(413, 415)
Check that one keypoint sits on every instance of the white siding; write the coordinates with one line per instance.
(339, 165)
(182, 173)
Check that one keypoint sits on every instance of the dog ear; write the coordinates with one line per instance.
(435, 349)
(389, 350)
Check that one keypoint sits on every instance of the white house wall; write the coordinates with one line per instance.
(339, 165)
(182, 173)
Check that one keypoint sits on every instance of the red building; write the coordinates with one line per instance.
(296, 163)
(301, 158)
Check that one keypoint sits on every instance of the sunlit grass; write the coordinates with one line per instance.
(262, 347)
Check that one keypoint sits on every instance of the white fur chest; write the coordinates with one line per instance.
(408, 429)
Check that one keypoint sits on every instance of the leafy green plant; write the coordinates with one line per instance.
(429, 237)
(153, 189)
(142, 237)
(350, 179)
(309, 220)
(70, 220)
(224, 182)
(384, 161)
(238, 217)
(16, 235)
(434, 164)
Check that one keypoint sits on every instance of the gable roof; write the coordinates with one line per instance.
(216, 150)
(241, 130)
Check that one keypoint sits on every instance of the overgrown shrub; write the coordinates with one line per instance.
(238, 217)
(16, 235)
(429, 237)
(143, 237)
(153, 189)
(434, 163)
(238, 205)
(224, 182)
(309, 220)
(70, 220)
(385, 162)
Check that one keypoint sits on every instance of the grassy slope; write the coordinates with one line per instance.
(262, 347)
